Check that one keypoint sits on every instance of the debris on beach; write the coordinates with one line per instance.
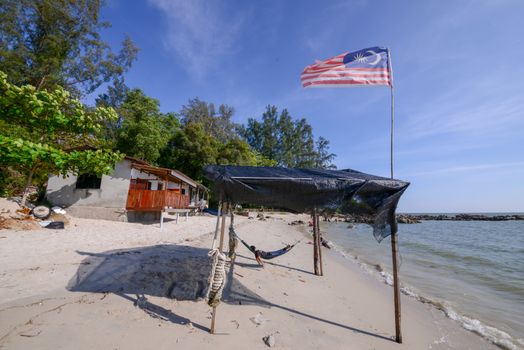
(58, 210)
(41, 212)
(55, 225)
(258, 319)
(269, 340)
(297, 222)
(30, 333)
(15, 217)
(325, 243)
(18, 223)
(23, 211)
(141, 301)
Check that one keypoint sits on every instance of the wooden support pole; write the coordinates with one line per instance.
(232, 239)
(315, 243)
(223, 228)
(319, 245)
(396, 287)
(220, 247)
(394, 250)
(166, 181)
(217, 228)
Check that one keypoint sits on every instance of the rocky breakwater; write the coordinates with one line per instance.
(470, 217)
(365, 219)
(416, 219)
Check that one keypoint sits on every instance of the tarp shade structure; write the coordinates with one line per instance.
(301, 190)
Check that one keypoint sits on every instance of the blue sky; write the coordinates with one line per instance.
(458, 75)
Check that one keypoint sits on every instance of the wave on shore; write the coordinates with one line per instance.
(492, 334)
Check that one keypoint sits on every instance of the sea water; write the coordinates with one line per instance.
(472, 270)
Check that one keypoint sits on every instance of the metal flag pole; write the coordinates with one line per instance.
(394, 250)
(390, 66)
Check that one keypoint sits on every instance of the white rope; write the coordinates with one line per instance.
(217, 278)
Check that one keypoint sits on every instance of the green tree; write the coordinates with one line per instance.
(217, 124)
(144, 130)
(286, 141)
(49, 43)
(238, 152)
(114, 97)
(190, 149)
(324, 159)
(303, 145)
(47, 132)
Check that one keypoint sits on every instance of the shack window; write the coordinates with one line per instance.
(88, 181)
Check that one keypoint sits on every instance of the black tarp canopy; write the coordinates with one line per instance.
(302, 190)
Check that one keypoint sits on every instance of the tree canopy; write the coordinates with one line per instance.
(216, 123)
(48, 131)
(288, 142)
(192, 147)
(144, 130)
(49, 43)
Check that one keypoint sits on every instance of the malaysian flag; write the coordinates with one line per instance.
(369, 66)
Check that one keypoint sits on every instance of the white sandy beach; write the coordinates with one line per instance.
(77, 289)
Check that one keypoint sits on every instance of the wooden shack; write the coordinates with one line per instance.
(135, 190)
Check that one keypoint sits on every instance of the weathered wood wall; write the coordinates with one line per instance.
(155, 200)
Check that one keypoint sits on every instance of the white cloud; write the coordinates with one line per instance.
(495, 117)
(199, 32)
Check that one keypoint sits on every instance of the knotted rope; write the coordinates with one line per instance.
(233, 241)
(217, 278)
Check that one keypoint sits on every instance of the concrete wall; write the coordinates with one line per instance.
(111, 194)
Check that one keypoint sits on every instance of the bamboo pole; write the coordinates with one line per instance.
(315, 243)
(233, 242)
(394, 250)
(319, 245)
(217, 228)
(220, 247)
(396, 287)
(223, 228)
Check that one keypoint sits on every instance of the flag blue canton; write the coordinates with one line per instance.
(373, 57)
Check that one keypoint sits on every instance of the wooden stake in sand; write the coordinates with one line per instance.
(316, 245)
(396, 291)
(319, 245)
(220, 247)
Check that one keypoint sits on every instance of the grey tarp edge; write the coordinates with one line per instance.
(300, 190)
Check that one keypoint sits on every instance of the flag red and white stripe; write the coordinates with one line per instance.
(365, 67)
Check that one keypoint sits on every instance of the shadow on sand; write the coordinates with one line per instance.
(173, 271)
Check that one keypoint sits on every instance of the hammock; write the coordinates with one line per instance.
(265, 255)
